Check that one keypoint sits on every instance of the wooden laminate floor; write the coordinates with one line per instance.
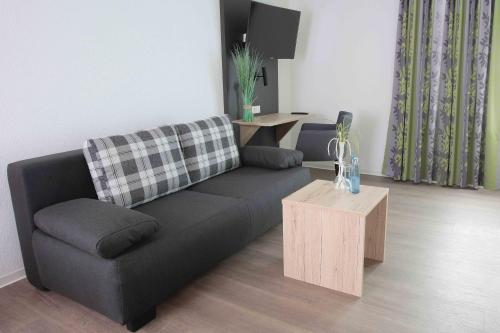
(441, 274)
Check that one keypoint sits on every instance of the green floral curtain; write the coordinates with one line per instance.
(492, 136)
(439, 96)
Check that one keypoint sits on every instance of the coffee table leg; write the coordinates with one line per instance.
(375, 232)
(342, 252)
(324, 247)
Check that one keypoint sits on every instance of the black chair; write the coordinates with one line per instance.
(313, 138)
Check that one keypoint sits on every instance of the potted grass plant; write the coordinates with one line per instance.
(342, 136)
(247, 63)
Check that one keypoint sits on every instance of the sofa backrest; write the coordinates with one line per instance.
(40, 182)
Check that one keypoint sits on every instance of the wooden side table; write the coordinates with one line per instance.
(282, 122)
(328, 233)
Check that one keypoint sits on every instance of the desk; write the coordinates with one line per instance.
(282, 122)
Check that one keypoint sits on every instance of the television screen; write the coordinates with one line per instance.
(272, 31)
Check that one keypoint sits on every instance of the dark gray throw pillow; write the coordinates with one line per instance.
(97, 227)
(270, 157)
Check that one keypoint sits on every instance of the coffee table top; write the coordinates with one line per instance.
(322, 193)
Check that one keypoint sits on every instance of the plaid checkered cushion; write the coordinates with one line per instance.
(132, 169)
(209, 147)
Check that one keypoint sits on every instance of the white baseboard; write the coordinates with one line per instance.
(328, 166)
(372, 173)
(12, 277)
(319, 165)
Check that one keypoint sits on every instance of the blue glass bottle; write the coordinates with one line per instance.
(355, 176)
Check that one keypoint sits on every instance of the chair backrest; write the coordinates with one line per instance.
(313, 138)
(318, 127)
(345, 118)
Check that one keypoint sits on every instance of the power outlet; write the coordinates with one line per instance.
(256, 109)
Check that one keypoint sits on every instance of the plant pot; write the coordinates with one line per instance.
(341, 151)
(247, 113)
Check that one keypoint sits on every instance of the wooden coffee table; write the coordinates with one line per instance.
(328, 233)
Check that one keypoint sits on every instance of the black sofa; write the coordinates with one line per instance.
(199, 226)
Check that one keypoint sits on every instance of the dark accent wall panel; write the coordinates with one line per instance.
(267, 98)
(234, 16)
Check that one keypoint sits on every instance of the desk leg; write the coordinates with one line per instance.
(282, 129)
(246, 133)
(375, 232)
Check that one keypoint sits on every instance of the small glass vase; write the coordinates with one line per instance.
(355, 176)
(247, 113)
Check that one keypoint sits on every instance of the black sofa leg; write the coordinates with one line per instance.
(140, 321)
(41, 288)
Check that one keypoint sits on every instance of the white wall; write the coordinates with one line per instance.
(344, 61)
(70, 70)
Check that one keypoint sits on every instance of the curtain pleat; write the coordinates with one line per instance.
(492, 132)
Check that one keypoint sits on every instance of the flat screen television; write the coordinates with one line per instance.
(272, 30)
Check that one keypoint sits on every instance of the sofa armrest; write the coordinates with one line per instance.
(270, 157)
(99, 228)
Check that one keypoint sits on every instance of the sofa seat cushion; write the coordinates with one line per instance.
(197, 230)
(209, 147)
(97, 227)
(132, 169)
(262, 189)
